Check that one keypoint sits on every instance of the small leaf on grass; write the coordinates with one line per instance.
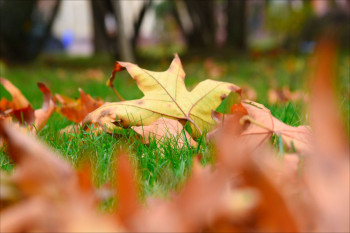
(18, 100)
(19, 105)
(263, 125)
(41, 116)
(29, 120)
(54, 197)
(76, 110)
(276, 96)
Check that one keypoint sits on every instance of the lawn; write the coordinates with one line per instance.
(161, 168)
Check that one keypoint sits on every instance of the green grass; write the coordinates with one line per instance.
(160, 167)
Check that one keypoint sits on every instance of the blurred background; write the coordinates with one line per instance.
(129, 30)
(261, 44)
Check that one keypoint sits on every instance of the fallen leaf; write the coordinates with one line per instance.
(165, 95)
(263, 125)
(21, 108)
(41, 116)
(28, 119)
(249, 93)
(256, 169)
(54, 198)
(94, 74)
(18, 100)
(284, 95)
(126, 190)
(214, 70)
(76, 110)
(188, 211)
(37, 167)
(328, 167)
(279, 218)
(165, 128)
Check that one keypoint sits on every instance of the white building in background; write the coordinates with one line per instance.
(74, 24)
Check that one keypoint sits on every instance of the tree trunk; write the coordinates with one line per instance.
(100, 34)
(125, 44)
(236, 25)
(138, 23)
(22, 37)
(203, 21)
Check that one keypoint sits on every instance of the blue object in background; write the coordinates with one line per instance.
(307, 46)
(67, 37)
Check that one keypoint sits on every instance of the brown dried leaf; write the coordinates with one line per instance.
(257, 170)
(273, 213)
(76, 110)
(38, 169)
(19, 105)
(33, 121)
(126, 191)
(263, 125)
(284, 95)
(41, 116)
(55, 197)
(18, 100)
(214, 70)
(328, 169)
(190, 210)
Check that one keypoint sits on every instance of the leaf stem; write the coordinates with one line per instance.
(190, 120)
(248, 118)
(117, 93)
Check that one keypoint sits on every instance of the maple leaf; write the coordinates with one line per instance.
(284, 95)
(263, 125)
(76, 110)
(165, 95)
(52, 196)
(30, 120)
(328, 167)
(41, 116)
(18, 100)
(126, 190)
(257, 125)
(165, 128)
(19, 106)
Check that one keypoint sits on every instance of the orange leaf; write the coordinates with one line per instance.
(126, 190)
(263, 125)
(18, 100)
(76, 110)
(41, 116)
(284, 95)
(26, 115)
(55, 197)
(328, 167)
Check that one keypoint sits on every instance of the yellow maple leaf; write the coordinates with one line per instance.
(165, 95)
